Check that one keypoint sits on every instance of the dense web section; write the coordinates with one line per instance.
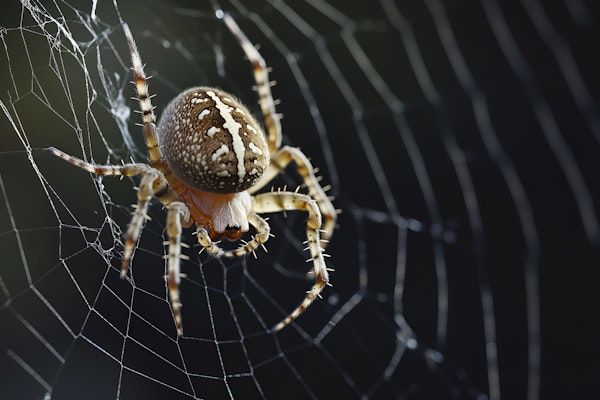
(460, 140)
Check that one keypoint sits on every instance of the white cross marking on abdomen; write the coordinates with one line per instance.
(233, 127)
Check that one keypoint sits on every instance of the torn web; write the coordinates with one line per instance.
(461, 143)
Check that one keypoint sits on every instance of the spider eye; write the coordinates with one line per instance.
(232, 228)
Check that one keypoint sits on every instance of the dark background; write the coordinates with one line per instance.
(466, 256)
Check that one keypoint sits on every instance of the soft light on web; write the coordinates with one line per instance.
(460, 140)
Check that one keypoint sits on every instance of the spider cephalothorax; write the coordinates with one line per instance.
(208, 156)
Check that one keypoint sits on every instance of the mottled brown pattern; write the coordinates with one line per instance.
(200, 150)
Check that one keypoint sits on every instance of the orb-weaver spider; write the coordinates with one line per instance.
(208, 158)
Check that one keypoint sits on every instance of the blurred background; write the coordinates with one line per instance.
(461, 142)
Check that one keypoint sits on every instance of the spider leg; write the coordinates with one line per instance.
(130, 169)
(207, 243)
(178, 213)
(263, 85)
(283, 201)
(143, 96)
(144, 195)
(263, 231)
(279, 161)
(152, 183)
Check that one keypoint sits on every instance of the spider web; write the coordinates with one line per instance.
(460, 140)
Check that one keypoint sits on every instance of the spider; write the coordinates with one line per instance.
(208, 158)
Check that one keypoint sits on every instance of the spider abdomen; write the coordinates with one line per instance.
(212, 142)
